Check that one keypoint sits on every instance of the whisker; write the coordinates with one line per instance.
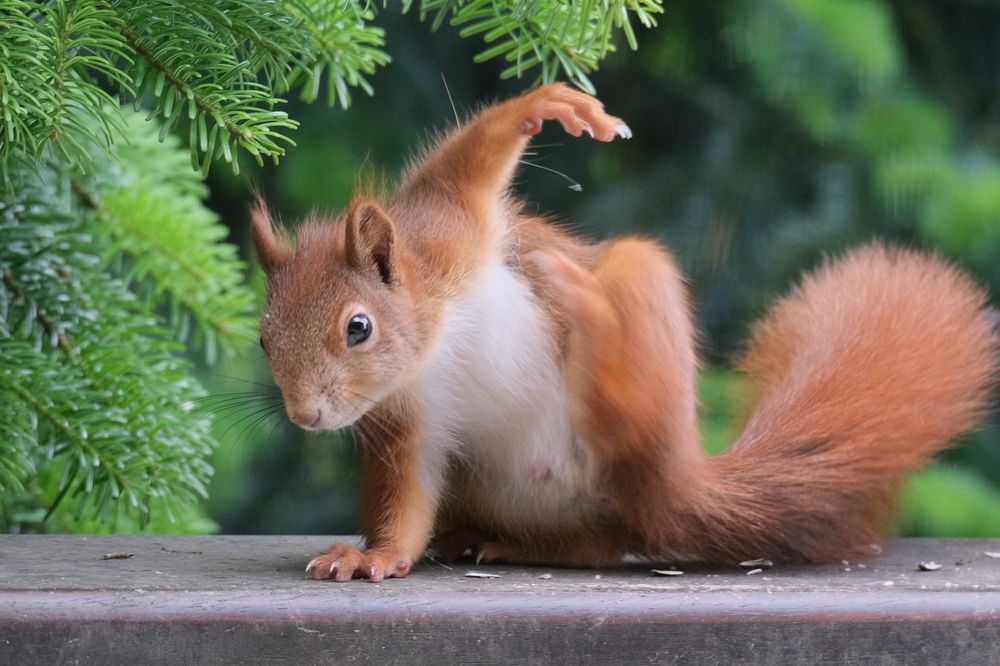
(575, 186)
(257, 423)
(437, 561)
(254, 414)
(374, 444)
(450, 100)
(209, 402)
(243, 380)
(362, 396)
(226, 407)
(278, 421)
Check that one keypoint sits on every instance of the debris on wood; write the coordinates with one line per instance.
(667, 572)
(928, 566)
(758, 563)
(754, 572)
(546, 576)
(116, 556)
(995, 556)
(180, 552)
(480, 574)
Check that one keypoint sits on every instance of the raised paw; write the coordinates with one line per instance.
(576, 111)
(343, 562)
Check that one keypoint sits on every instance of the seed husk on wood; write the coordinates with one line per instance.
(758, 563)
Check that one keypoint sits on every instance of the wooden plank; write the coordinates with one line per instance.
(230, 599)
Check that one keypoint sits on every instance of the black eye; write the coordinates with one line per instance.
(358, 330)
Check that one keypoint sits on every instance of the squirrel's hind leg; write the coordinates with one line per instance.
(630, 371)
(630, 367)
(587, 549)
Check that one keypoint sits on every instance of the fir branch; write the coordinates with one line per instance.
(186, 66)
(257, 32)
(240, 110)
(81, 43)
(17, 420)
(347, 48)
(559, 38)
(22, 77)
(42, 398)
(173, 246)
(221, 66)
(114, 408)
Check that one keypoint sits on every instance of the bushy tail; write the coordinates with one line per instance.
(875, 362)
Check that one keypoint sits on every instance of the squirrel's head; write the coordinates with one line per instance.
(340, 328)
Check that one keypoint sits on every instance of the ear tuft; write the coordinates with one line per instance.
(273, 248)
(371, 240)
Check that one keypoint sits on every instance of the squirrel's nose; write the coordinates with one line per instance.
(306, 417)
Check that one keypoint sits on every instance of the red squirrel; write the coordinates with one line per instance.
(531, 395)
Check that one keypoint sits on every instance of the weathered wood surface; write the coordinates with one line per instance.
(247, 600)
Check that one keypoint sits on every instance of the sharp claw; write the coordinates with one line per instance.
(479, 557)
(312, 564)
(624, 131)
(589, 130)
(333, 566)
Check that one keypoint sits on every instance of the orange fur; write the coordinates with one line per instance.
(871, 365)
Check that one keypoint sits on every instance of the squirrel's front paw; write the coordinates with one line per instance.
(576, 111)
(343, 562)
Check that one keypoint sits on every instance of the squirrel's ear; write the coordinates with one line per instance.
(273, 248)
(371, 239)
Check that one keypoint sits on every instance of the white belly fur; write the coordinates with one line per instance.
(493, 394)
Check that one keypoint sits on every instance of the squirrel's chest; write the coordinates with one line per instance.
(495, 393)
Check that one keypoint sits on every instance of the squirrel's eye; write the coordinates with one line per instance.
(358, 330)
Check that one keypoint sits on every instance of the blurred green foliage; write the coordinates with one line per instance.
(768, 134)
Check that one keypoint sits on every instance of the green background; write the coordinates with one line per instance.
(767, 135)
